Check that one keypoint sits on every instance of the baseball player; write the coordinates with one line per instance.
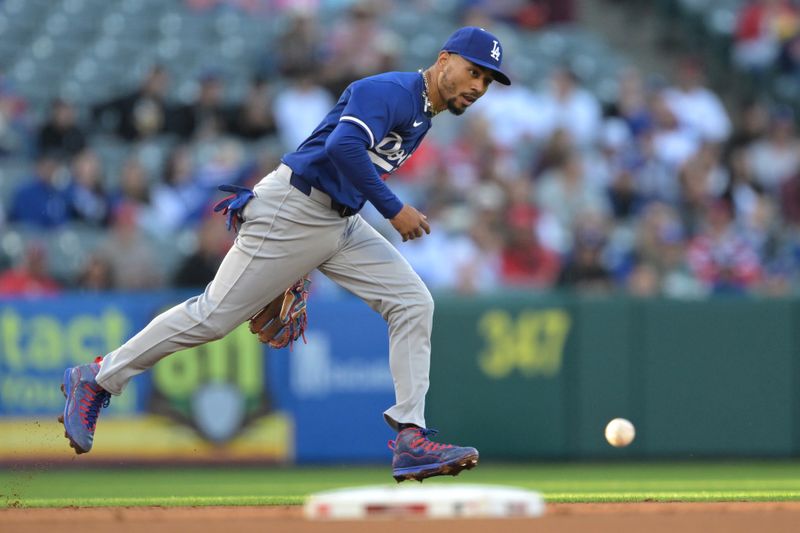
(304, 215)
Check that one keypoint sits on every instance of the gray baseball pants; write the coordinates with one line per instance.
(287, 234)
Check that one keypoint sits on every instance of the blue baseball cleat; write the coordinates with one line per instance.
(84, 400)
(416, 457)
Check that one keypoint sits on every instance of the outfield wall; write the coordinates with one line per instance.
(521, 377)
(518, 376)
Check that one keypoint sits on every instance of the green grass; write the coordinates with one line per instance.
(570, 482)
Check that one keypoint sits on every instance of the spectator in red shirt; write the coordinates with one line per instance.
(30, 278)
(720, 258)
(524, 260)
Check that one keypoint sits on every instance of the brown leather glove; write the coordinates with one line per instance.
(284, 319)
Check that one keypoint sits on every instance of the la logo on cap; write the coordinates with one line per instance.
(495, 53)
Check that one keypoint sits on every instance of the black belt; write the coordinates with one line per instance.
(302, 186)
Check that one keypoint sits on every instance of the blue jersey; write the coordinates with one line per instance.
(388, 112)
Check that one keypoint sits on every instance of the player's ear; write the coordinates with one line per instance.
(443, 58)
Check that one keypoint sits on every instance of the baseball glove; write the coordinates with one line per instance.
(284, 319)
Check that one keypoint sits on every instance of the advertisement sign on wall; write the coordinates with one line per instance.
(229, 400)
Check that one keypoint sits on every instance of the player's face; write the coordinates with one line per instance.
(462, 82)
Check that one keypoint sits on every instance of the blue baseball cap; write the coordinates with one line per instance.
(479, 46)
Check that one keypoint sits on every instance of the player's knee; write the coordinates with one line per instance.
(209, 323)
(204, 331)
(425, 300)
(215, 335)
(415, 298)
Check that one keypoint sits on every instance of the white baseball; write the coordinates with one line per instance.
(620, 432)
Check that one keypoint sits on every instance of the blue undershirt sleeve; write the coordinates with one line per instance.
(346, 147)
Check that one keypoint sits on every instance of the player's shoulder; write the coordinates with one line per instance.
(394, 82)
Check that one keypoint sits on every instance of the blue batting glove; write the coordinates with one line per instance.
(233, 205)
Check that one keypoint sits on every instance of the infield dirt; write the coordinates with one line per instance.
(729, 517)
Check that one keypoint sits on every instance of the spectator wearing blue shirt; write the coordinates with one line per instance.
(44, 201)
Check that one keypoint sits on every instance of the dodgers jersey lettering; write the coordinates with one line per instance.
(388, 110)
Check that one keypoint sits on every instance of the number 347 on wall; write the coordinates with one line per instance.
(532, 342)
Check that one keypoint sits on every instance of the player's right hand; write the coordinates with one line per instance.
(410, 223)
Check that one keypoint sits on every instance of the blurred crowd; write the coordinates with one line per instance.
(662, 191)
(767, 37)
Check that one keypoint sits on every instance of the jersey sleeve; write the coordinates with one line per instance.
(377, 107)
(345, 147)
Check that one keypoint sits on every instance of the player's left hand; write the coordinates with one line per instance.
(233, 205)
(410, 223)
